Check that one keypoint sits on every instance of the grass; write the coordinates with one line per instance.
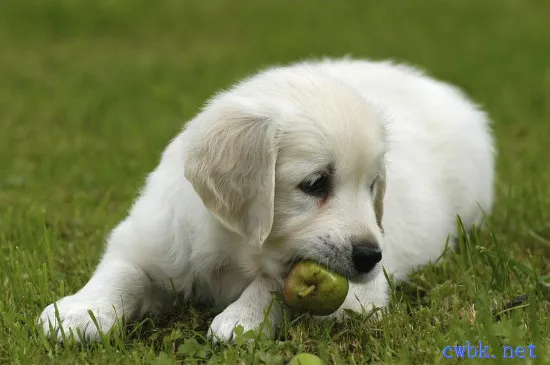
(91, 92)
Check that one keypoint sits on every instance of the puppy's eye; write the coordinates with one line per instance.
(318, 187)
(373, 185)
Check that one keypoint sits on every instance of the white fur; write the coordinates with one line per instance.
(221, 218)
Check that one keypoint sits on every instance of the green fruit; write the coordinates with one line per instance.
(311, 287)
(306, 359)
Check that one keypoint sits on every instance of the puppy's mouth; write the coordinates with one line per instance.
(343, 267)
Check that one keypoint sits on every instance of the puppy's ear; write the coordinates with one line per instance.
(379, 198)
(230, 163)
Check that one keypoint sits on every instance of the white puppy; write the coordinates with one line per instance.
(354, 164)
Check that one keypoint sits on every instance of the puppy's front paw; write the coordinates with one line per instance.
(369, 309)
(363, 299)
(74, 316)
(250, 318)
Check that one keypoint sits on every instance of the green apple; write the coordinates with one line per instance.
(306, 359)
(311, 287)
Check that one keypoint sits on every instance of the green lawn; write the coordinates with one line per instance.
(92, 91)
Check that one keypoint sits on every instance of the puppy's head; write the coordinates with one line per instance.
(293, 161)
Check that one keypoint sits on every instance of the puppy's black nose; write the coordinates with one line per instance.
(365, 256)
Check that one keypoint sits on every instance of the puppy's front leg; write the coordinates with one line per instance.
(363, 297)
(118, 289)
(249, 311)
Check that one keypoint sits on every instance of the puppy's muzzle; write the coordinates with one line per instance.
(365, 256)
